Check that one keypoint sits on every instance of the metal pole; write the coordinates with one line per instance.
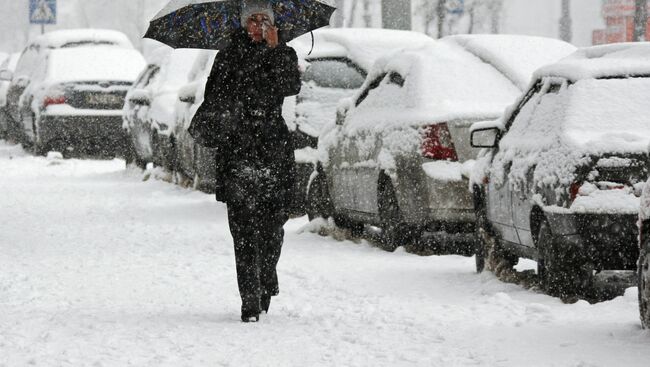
(42, 28)
(640, 20)
(566, 24)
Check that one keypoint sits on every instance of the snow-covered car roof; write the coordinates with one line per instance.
(445, 81)
(74, 37)
(94, 64)
(611, 61)
(362, 46)
(517, 57)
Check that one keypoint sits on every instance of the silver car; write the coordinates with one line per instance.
(399, 155)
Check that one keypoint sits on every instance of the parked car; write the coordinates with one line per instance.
(34, 54)
(399, 154)
(561, 177)
(75, 98)
(333, 70)
(150, 108)
(6, 68)
(194, 163)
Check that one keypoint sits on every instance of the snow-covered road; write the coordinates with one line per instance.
(98, 268)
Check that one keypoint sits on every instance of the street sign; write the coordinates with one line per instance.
(456, 7)
(42, 11)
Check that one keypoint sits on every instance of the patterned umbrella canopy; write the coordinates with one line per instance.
(211, 24)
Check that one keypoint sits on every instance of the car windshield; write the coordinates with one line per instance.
(334, 74)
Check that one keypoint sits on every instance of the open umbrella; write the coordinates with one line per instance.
(211, 24)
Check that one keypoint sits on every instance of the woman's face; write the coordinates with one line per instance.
(255, 26)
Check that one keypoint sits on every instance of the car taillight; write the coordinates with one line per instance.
(437, 143)
(54, 97)
(574, 191)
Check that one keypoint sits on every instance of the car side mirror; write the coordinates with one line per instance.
(140, 97)
(6, 75)
(485, 138)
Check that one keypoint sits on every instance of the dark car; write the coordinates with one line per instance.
(34, 54)
(561, 177)
(75, 98)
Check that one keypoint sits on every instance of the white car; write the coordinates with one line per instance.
(399, 155)
(194, 163)
(150, 108)
(36, 51)
(561, 177)
(333, 70)
(74, 101)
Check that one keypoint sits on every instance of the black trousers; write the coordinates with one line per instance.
(258, 235)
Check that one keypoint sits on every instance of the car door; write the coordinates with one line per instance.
(522, 202)
(345, 190)
(500, 209)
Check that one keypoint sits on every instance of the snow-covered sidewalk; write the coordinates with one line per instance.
(98, 268)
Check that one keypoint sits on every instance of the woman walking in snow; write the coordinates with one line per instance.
(255, 156)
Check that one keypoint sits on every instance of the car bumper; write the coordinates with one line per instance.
(449, 202)
(89, 134)
(611, 240)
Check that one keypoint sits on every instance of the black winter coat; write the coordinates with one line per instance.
(254, 152)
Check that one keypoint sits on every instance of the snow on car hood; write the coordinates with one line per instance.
(517, 57)
(362, 46)
(95, 63)
(61, 38)
(442, 82)
(618, 60)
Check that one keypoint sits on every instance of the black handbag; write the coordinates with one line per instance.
(210, 127)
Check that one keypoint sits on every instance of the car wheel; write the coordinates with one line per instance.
(319, 203)
(481, 241)
(644, 283)
(356, 228)
(564, 272)
(395, 232)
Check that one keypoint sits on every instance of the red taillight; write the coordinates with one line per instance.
(438, 144)
(574, 190)
(51, 100)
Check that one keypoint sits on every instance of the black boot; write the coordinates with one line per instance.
(265, 303)
(250, 317)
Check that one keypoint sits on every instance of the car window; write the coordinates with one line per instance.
(531, 93)
(27, 61)
(334, 73)
(373, 85)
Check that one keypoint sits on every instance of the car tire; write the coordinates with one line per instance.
(319, 203)
(481, 241)
(644, 283)
(395, 231)
(564, 273)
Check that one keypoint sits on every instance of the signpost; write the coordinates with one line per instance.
(42, 12)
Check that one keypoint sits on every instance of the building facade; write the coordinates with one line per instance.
(619, 20)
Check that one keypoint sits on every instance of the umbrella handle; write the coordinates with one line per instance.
(312, 43)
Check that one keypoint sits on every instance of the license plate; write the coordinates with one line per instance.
(103, 99)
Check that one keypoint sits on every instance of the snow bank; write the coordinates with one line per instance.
(95, 63)
(517, 57)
